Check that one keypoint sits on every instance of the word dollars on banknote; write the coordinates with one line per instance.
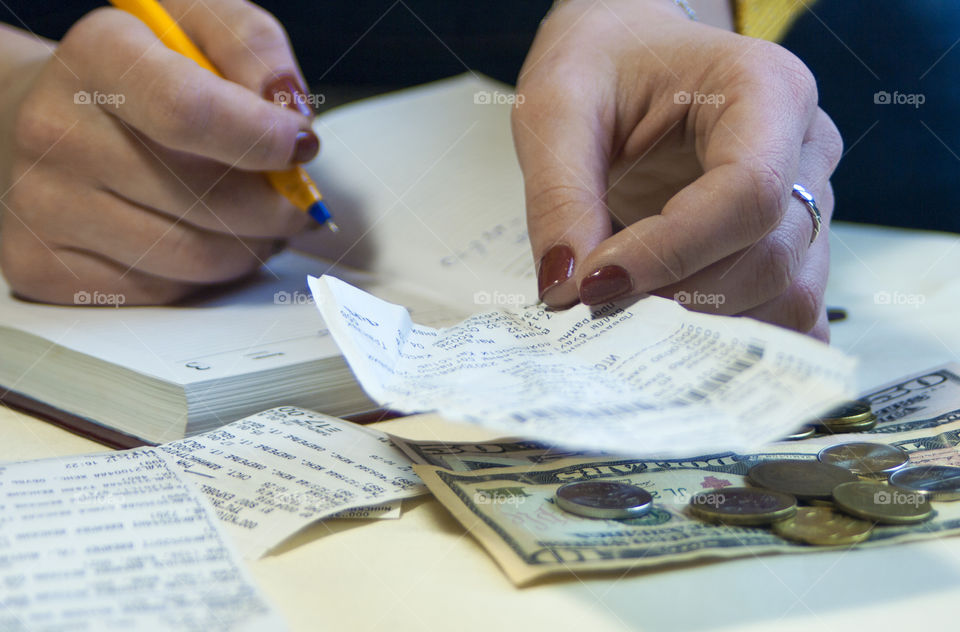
(505, 493)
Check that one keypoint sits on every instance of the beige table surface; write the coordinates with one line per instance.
(424, 572)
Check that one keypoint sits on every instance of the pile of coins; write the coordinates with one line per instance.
(834, 500)
(848, 490)
(855, 416)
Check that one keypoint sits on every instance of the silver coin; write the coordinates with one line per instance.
(936, 482)
(865, 459)
(604, 499)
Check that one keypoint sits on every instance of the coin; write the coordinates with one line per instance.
(881, 503)
(803, 432)
(822, 526)
(746, 506)
(936, 482)
(839, 428)
(847, 413)
(865, 459)
(807, 480)
(604, 499)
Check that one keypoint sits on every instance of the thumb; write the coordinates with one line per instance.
(562, 142)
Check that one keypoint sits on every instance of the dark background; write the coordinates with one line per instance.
(901, 161)
(390, 43)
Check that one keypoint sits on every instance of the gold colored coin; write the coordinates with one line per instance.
(744, 506)
(803, 432)
(882, 503)
(807, 480)
(841, 427)
(848, 413)
(822, 526)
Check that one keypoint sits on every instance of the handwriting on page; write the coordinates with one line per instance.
(647, 377)
(117, 541)
(271, 474)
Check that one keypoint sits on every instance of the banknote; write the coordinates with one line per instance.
(467, 456)
(511, 510)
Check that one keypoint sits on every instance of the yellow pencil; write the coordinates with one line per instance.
(294, 184)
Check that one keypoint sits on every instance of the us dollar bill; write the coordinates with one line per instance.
(511, 510)
(467, 456)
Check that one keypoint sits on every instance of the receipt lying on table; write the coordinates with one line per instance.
(117, 541)
(647, 378)
(273, 473)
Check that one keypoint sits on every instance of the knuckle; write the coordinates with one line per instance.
(273, 146)
(87, 35)
(775, 274)
(802, 307)
(555, 83)
(26, 268)
(790, 75)
(27, 199)
(672, 260)
(35, 128)
(799, 82)
(832, 143)
(555, 202)
(179, 110)
(769, 187)
(256, 28)
(202, 258)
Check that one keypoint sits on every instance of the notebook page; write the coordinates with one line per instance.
(426, 189)
(263, 324)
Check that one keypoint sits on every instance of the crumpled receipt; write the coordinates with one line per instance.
(646, 377)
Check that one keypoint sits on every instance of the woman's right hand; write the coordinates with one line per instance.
(131, 171)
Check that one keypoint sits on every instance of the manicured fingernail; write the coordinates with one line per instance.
(307, 147)
(286, 92)
(555, 267)
(604, 285)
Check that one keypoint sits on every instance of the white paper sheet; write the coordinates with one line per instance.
(273, 473)
(645, 378)
(117, 541)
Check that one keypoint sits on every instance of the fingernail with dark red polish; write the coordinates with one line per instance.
(307, 147)
(604, 285)
(285, 91)
(555, 267)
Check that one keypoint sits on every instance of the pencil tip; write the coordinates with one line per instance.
(318, 211)
(333, 227)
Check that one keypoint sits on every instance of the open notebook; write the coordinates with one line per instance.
(428, 195)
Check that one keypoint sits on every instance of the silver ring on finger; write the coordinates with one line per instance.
(807, 198)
